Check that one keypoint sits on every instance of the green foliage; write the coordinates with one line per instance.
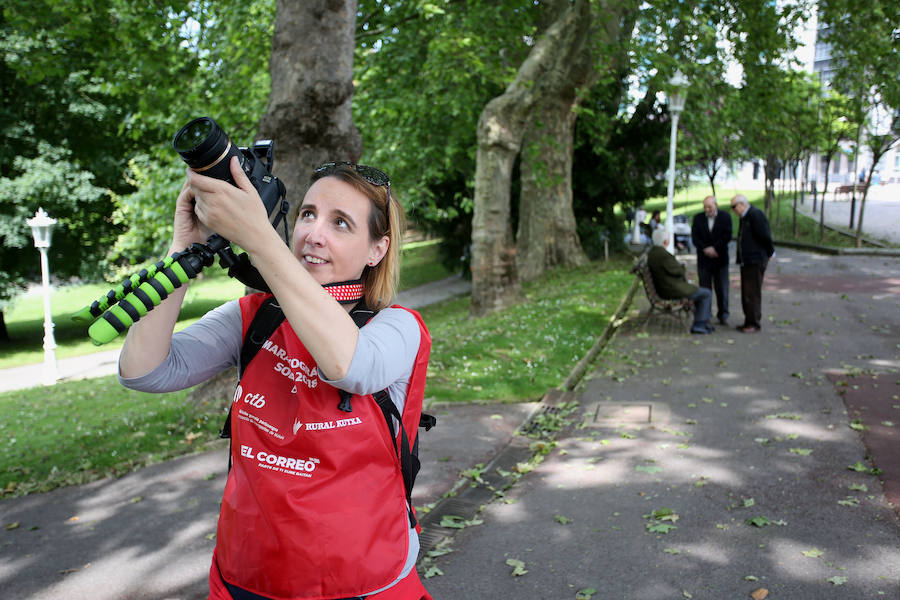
(709, 135)
(425, 71)
(864, 46)
(863, 40)
(52, 180)
(80, 105)
(145, 215)
(618, 163)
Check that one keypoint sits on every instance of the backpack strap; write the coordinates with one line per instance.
(409, 459)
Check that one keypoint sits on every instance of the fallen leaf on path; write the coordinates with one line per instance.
(648, 469)
(432, 571)
(518, 567)
(758, 521)
(759, 594)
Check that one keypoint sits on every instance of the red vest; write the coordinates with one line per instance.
(314, 506)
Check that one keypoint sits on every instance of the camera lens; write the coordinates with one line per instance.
(193, 134)
(206, 148)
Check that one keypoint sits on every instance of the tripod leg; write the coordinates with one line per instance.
(171, 274)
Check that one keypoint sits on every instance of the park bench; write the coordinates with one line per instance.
(681, 309)
(846, 190)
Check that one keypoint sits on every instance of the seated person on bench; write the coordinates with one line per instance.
(670, 281)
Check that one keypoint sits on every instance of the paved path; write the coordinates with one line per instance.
(719, 430)
(881, 217)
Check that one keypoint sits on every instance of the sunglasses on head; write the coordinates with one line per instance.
(372, 175)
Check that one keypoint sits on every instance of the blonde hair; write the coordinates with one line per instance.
(386, 218)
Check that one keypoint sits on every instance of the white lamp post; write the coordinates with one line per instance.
(677, 98)
(42, 230)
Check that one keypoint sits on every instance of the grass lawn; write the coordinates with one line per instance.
(80, 431)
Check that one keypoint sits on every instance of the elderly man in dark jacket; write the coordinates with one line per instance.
(670, 281)
(754, 249)
(711, 232)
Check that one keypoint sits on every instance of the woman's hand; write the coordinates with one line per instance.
(235, 213)
(187, 228)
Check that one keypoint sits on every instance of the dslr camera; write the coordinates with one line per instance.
(205, 147)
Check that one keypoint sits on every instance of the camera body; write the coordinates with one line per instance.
(257, 161)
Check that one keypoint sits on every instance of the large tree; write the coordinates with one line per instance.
(547, 231)
(865, 44)
(425, 70)
(501, 127)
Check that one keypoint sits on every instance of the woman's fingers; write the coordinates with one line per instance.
(232, 211)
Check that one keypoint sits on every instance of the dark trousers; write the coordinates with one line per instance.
(702, 300)
(716, 279)
(751, 293)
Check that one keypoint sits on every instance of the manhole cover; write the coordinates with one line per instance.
(604, 414)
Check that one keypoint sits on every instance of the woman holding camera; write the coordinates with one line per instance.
(315, 504)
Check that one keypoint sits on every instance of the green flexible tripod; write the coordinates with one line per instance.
(118, 310)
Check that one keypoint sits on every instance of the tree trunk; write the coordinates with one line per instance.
(769, 169)
(853, 176)
(308, 116)
(822, 203)
(501, 128)
(547, 235)
(4, 333)
(795, 165)
(712, 169)
(311, 68)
